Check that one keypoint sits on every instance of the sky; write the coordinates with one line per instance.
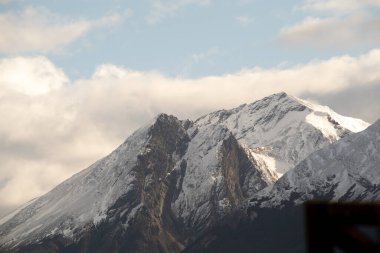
(78, 77)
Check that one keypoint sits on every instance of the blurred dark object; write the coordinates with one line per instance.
(343, 227)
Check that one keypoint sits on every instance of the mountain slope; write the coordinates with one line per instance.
(348, 170)
(133, 193)
(114, 187)
(172, 181)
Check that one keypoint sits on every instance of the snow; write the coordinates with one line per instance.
(12, 214)
(131, 215)
(68, 233)
(80, 200)
(224, 203)
(99, 217)
(203, 169)
(351, 165)
(269, 162)
(353, 124)
(280, 121)
(31, 230)
(319, 120)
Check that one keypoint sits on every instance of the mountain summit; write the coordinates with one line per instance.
(173, 180)
(280, 120)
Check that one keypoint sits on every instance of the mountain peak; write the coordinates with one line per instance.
(163, 120)
(278, 95)
(279, 120)
(164, 116)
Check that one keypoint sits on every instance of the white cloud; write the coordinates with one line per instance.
(39, 30)
(161, 9)
(245, 20)
(46, 138)
(338, 5)
(33, 76)
(333, 32)
(348, 23)
(205, 55)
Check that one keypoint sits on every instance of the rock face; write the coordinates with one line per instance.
(172, 183)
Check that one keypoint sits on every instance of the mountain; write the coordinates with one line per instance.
(172, 181)
(280, 120)
(348, 170)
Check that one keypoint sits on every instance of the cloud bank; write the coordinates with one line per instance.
(52, 126)
(335, 24)
(39, 30)
(338, 5)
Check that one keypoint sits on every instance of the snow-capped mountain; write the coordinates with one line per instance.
(346, 170)
(173, 180)
(280, 120)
